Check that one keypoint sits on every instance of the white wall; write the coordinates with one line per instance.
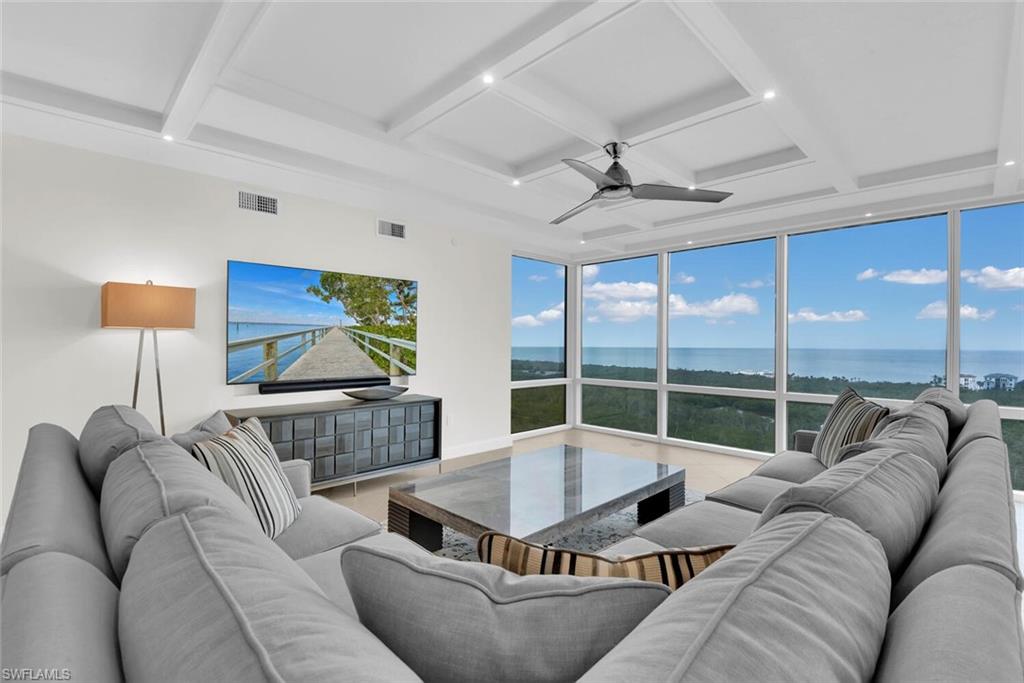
(73, 219)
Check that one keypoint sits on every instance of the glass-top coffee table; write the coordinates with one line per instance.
(538, 496)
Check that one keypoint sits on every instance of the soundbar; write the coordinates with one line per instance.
(289, 386)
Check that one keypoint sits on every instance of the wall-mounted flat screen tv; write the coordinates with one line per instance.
(291, 329)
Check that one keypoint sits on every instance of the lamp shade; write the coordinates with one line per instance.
(124, 304)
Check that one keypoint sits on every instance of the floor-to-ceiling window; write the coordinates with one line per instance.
(538, 371)
(721, 333)
(619, 342)
(992, 317)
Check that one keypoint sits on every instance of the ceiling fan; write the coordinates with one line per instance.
(615, 184)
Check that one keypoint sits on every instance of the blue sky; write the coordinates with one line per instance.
(276, 294)
(872, 287)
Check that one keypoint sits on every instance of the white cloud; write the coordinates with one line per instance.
(991, 277)
(722, 307)
(718, 321)
(753, 284)
(936, 310)
(590, 272)
(537, 278)
(560, 272)
(626, 311)
(807, 315)
(922, 276)
(868, 274)
(553, 313)
(593, 318)
(620, 290)
(684, 279)
(526, 321)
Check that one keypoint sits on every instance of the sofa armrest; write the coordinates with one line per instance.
(803, 440)
(298, 473)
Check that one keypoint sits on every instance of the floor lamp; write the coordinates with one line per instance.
(147, 307)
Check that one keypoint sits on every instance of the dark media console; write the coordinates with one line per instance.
(348, 441)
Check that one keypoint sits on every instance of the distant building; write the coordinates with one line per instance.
(999, 381)
(969, 382)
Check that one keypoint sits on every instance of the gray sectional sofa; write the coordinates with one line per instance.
(124, 559)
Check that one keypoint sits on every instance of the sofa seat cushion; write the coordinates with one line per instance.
(887, 493)
(215, 425)
(783, 605)
(466, 621)
(962, 624)
(751, 493)
(325, 568)
(152, 481)
(983, 421)
(53, 507)
(206, 599)
(703, 523)
(914, 429)
(947, 401)
(109, 432)
(792, 466)
(324, 525)
(973, 520)
(849, 420)
(60, 613)
(631, 545)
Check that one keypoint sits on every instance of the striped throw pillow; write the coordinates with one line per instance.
(671, 567)
(246, 461)
(850, 420)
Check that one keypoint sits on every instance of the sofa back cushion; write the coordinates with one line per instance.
(973, 520)
(982, 422)
(152, 481)
(207, 599)
(53, 507)
(962, 624)
(887, 493)
(849, 420)
(60, 614)
(469, 622)
(109, 432)
(920, 429)
(805, 598)
(947, 401)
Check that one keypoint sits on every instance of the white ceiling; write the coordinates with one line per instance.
(880, 106)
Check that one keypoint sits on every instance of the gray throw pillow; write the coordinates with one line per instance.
(215, 425)
(465, 621)
(109, 432)
(851, 419)
(956, 411)
(887, 493)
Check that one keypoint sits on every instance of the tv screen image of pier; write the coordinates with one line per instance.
(298, 324)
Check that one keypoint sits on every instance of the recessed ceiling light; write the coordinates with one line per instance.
(169, 138)
(868, 215)
(583, 241)
(488, 79)
(515, 182)
(1011, 162)
(689, 241)
(692, 187)
(769, 95)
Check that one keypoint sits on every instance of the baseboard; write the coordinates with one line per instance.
(475, 447)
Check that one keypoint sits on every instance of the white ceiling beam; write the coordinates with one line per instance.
(700, 108)
(46, 96)
(462, 155)
(718, 35)
(743, 168)
(233, 23)
(563, 23)
(1011, 130)
(932, 169)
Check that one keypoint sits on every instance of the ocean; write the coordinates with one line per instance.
(893, 365)
(243, 359)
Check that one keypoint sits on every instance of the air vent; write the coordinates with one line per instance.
(389, 229)
(257, 202)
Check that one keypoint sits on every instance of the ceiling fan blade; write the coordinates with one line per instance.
(595, 176)
(677, 194)
(596, 199)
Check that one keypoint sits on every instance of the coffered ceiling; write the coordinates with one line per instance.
(878, 106)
